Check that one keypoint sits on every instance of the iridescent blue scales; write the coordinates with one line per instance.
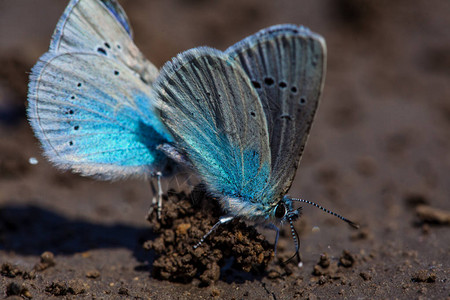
(90, 97)
(242, 117)
(90, 100)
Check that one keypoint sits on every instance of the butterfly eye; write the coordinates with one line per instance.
(280, 211)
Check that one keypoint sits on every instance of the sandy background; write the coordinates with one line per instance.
(379, 153)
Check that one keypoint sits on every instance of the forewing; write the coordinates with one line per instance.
(93, 116)
(216, 118)
(101, 27)
(286, 65)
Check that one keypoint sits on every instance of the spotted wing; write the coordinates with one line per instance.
(94, 117)
(101, 26)
(286, 65)
(215, 116)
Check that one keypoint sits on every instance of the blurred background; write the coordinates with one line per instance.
(378, 153)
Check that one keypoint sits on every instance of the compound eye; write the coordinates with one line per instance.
(280, 211)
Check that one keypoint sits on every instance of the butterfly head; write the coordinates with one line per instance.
(283, 211)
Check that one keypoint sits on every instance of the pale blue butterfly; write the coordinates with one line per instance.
(90, 97)
(242, 117)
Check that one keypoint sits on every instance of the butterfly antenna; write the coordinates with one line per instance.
(353, 224)
(297, 245)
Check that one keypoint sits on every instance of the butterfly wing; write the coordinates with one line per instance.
(101, 27)
(92, 115)
(106, 127)
(286, 65)
(216, 118)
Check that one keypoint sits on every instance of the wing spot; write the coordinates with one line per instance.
(268, 81)
(119, 47)
(71, 143)
(107, 45)
(72, 97)
(282, 84)
(287, 117)
(256, 84)
(79, 84)
(71, 112)
(294, 89)
(101, 50)
(315, 60)
(302, 101)
(252, 113)
(116, 72)
(76, 127)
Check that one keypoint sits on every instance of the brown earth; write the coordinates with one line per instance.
(379, 153)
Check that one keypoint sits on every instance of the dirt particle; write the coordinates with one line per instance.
(273, 274)
(57, 289)
(13, 289)
(211, 274)
(93, 274)
(322, 280)
(61, 288)
(432, 215)
(123, 291)
(424, 276)
(347, 259)
(324, 260)
(16, 289)
(27, 294)
(10, 270)
(47, 261)
(183, 228)
(215, 293)
(326, 267)
(365, 275)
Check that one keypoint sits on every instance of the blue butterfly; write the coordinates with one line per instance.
(90, 97)
(242, 117)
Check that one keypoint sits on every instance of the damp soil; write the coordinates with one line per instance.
(183, 222)
(378, 153)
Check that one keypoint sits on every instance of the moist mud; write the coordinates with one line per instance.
(184, 220)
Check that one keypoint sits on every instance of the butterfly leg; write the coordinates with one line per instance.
(277, 231)
(222, 220)
(157, 195)
(160, 194)
(154, 198)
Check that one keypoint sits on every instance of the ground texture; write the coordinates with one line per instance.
(379, 153)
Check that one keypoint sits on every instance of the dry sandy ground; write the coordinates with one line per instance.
(379, 153)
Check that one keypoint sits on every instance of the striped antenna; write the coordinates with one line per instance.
(297, 245)
(353, 224)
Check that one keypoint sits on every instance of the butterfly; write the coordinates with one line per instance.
(242, 117)
(90, 97)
